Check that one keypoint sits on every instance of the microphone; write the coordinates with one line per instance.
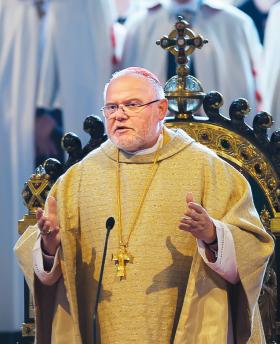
(110, 222)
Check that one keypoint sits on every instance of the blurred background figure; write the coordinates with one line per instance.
(20, 46)
(258, 11)
(77, 61)
(122, 9)
(228, 63)
(271, 66)
(48, 132)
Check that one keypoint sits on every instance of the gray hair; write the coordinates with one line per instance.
(142, 73)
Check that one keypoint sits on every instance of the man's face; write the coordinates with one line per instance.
(132, 131)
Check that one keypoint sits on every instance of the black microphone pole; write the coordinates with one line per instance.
(109, 225)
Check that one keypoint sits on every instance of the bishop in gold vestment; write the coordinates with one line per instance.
(169, 294)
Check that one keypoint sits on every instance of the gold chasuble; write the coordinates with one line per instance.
(168, 294)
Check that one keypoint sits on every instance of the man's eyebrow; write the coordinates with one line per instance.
(133, 100)
(125, 101)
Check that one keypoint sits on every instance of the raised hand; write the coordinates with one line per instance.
(48, 226)
(197, 221)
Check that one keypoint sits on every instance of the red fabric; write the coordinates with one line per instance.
(113, 41)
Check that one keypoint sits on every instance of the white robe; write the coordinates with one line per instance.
(226, 64)
(76, 60)
(19, 58)
(271, 66)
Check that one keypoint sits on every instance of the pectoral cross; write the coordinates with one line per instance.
(121, 259)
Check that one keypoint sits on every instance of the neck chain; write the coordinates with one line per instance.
(123, 256)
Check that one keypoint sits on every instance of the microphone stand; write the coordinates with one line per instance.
(109, 225)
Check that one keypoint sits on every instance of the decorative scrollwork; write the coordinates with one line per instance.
(265, 217)
(238, 149)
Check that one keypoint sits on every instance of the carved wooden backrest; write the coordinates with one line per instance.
(258, 158)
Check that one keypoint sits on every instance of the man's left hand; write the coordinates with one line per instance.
(197, 221)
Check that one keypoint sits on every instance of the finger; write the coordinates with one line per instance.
(186, 220)
(41, 222)
(52, 207)
(46, 226)
(47, 233)
(191, 224)
(189, 197)
(52, 233)
(196, 207)
(185, 227)
(192, 214)
(39, 213)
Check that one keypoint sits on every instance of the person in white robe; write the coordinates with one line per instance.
(227, 64)
(77, 60)
(258, 10)
(20, 27)
(271, 66)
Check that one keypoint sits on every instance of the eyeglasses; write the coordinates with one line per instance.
(110, 109)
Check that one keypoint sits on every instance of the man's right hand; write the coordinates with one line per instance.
(48, 226)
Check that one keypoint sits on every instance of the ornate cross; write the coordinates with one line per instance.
(121, 259)
(182, 42)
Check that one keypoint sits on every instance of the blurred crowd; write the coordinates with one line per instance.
(57, 55)
(63, 52)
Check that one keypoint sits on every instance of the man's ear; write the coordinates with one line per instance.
(163, 107)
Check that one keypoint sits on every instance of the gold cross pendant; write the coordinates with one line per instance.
(121, 259)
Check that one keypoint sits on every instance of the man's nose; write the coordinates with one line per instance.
(121, 113)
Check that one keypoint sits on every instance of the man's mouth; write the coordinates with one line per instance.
(121, 129)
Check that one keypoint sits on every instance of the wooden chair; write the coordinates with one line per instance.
(257, 157)
(248, 149)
